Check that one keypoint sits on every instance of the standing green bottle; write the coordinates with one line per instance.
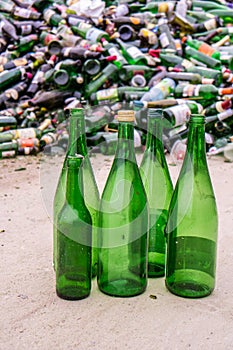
(77, 145)
(123, 220)
(73, 274)
(192, 222)
(158, 185)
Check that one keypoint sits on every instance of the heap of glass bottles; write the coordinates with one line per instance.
(55, 55)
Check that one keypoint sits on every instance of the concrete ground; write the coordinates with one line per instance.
(33, 317)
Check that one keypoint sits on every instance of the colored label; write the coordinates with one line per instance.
(206, 49)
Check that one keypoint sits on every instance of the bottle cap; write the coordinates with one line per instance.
(126, 116)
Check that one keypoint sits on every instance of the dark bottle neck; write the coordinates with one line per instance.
(196, 138)
(74, 184)
(125, 145)
(77, 137)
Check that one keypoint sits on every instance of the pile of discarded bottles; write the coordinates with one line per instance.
(108, 55)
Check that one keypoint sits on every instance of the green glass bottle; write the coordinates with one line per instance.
(191, 237)
(180, 114)
(74, 230)
(226, 15)
(209, 61)
(203, 47)
(77, 145)
(123, 220)
(112, 50)
(158, 185)
(132, 53)
(204, 93)
(109, 72)
(89, 32)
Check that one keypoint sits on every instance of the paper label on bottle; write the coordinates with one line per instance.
(225, 114)
(20, 12)
(207, 81)
(48, 14)
(230, 30)
(197, 90)
(26, 29)
(93, 34)
(107, 94)
(188, 90)
(164, 41)
(26, 133)
(7, 154)
(210, 24)
(181, 113)
(186, 63)
(134, 52)
(114, 52)
(206, 49)
(12, 93)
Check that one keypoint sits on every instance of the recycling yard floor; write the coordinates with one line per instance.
(33, 317)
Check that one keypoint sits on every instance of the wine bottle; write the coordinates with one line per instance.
(191, 238)
(158, 185)
(74, 231)
(123, 220)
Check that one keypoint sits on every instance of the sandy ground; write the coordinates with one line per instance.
(33, 317)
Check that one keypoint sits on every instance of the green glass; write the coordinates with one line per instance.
(192, 222)
(180, 114)
(77, 145)
(10, 77)
(204, 93)
(158, 185)
(132, 54)
(74, 230)
(209, 61)
(123, 221)
(109, 72)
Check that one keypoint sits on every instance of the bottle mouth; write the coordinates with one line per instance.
(197, 118)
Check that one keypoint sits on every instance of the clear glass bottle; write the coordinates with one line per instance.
(123, 220)
(158, 185)
(192, 225)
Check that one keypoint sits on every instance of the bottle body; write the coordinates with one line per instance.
(77, 144)
(158, 185)
(73, 273)
(191, 238)
(123, 223)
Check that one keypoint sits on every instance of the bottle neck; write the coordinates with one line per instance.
(125, 144)
(154, 135)
(74, 184)
(196, 138)
(77, 136)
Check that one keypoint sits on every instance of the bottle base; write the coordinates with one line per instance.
(155, 270)
(122, 288)
(72, 293)
(188, 288)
